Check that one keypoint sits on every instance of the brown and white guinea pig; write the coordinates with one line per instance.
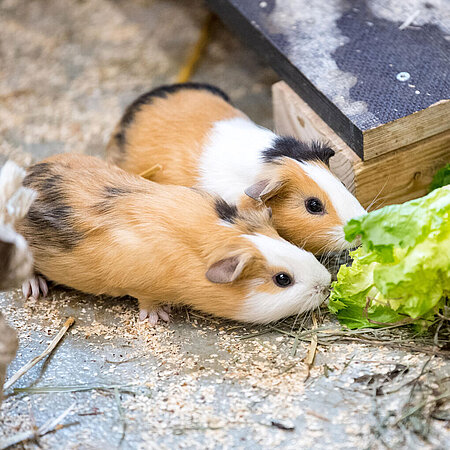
(101, 230)
(200, 140)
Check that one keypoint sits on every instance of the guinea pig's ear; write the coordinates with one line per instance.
(264, 189)
(228, 269)
(327, 154)
(323, 151)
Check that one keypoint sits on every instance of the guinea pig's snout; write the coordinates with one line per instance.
(322, 290)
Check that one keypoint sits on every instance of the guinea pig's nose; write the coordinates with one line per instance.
(322, 290)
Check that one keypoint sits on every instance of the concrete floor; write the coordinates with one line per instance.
(68, 70)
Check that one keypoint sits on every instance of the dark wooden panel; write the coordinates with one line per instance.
(357, 63)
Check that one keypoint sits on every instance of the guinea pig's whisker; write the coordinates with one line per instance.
(328, 253)
(314, 234)
(324, 258)
(295, 321)
(378, 195)
(304, 318)
(308, 316)
(381, 202)
(319, 313)
(337, 261)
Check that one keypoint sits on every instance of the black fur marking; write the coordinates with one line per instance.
(295, 149)
(120, 139)
(36, 172)
(160, 92)
(110, 193)
(163, 92)
(225, 211)
(50, 221)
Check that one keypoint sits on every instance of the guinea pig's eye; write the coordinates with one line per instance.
(314, 206)
(282, 279)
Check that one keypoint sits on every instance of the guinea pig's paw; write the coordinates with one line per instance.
(155, 314)
(34, 287)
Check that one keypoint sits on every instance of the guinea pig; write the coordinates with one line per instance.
(101, 230)
(200, 140)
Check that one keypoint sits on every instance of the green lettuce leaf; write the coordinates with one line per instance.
(355, 299)
(441, 178)
(402, 269)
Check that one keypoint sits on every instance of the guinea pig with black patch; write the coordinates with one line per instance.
(200, 140)
(101, 230)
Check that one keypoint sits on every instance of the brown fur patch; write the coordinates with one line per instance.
(290, 217)
(269, 287)
(170, 131)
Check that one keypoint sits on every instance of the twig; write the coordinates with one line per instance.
(347, 364)
(74, 388)
(69, 322)
(337, 332)
(295, 344)
(199, 316)
(313, 346)
(397, 344)
(421, 405)
(352, 335)
(50, 425)
(148, 174)
(188, 68)
(94, 412)
(319, 416)
(121, 415)
(280, 330)
(253, 335)
(436, 334)
(408, 383)
(286, 369)
(309, 360)
(414, 384)
(124, 361)
(281, 426)
(329, 336)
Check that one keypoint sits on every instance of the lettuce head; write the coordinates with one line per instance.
(402, 269)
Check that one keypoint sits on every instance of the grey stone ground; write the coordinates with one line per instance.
(67, 71)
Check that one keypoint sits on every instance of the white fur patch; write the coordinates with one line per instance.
(343, 201)
(311, 279)
(345, 204)
(337, 236)
(231, 160)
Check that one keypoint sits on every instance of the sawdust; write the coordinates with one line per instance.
(196, 382)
